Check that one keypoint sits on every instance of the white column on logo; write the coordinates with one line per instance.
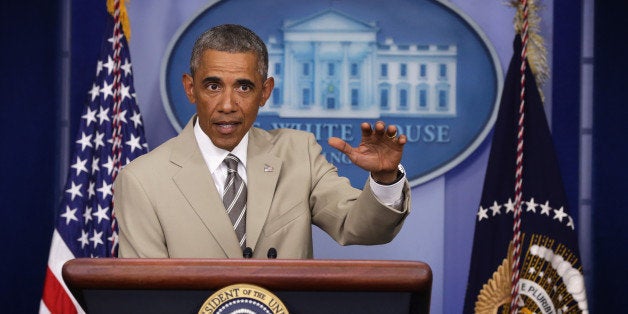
(288, 87)
(368, 79)
(316, 69)
(345, 103)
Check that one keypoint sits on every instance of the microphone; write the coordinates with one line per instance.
(272, 253)
(247, 253)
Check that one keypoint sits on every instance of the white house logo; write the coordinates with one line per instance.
(424, 67)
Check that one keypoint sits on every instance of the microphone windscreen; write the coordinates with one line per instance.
(247, 252)
(272, 253)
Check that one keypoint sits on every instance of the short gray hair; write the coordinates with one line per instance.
(233, 39)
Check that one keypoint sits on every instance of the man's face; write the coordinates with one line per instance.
(228, 92)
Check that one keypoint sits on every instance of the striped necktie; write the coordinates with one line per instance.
(234, 198)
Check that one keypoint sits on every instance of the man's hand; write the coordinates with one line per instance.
(379, 151)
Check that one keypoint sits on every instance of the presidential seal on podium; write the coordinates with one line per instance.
(243, 299)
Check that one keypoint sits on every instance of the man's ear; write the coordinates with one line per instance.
(188, 86)
(267, 89)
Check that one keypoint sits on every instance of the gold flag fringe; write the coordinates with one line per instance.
(537, 53)
(495, 294)
(124, 17)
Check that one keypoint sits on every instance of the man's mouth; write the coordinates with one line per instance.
(225, 127)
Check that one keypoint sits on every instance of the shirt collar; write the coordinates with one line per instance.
(213, 155)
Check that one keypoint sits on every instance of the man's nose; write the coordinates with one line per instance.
(228, 102)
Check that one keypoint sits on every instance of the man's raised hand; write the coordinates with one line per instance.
(379, 151)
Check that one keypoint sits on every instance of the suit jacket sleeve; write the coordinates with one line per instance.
(348, 215)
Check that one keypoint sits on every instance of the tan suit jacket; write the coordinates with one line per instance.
(167, 205)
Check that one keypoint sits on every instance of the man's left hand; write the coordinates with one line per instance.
(379, 151)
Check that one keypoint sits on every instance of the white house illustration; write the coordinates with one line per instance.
(331, 65)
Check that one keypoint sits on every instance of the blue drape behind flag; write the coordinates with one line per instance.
(550, 272)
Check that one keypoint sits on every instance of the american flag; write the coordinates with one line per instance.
(111, 134)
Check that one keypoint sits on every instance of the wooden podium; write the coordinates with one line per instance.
(110, 285)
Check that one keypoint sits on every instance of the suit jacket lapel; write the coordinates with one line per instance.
(263, 171)
(196, 184)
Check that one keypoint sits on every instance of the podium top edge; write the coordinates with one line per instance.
(276, 274)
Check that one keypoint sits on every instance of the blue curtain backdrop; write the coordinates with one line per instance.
(29, 124)
(610, 154)
(565, 75)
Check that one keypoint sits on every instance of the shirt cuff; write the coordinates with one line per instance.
(389, 195)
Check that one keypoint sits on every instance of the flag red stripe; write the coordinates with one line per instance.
(55, 297)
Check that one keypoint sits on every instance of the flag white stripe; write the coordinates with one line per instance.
(60, 253)
(43, 309)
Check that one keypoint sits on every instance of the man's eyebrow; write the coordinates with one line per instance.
(212, 79)
(246, 82)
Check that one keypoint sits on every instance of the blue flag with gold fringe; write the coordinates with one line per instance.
(551, 279)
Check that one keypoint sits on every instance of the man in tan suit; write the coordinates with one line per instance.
(169, 202)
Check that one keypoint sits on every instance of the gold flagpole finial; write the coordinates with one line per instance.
(124, 17)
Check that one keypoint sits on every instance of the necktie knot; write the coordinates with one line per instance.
(231, 161)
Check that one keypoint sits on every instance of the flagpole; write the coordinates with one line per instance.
(116, 90)
(516, 238)
(116, 125)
